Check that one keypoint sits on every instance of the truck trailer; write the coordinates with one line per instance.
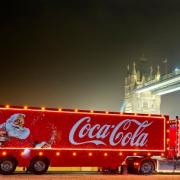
(39, 138)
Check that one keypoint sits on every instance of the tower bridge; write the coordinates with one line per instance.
(166, 84)
(143, 91)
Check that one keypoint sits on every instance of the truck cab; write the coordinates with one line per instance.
(171, 163)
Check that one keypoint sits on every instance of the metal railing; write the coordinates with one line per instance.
(176, 72)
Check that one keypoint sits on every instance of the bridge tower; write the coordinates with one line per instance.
(144, 102)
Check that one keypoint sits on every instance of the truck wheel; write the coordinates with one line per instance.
(7, 165)
(147, 167)
(39, 165)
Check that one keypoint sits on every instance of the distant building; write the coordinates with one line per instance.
(145, 102)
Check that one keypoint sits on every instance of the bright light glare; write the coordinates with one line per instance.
(176, 69)
(158, 85)
(169, 91)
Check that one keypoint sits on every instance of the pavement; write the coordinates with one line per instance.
(86, 176)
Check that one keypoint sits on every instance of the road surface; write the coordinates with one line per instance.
(75, 176)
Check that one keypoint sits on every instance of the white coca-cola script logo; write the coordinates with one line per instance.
(118, 134)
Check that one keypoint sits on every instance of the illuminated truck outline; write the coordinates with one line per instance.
(85, 152)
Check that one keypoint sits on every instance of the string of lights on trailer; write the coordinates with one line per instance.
(78, 111)
(90, 153)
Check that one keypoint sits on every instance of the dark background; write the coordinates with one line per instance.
(74, 53)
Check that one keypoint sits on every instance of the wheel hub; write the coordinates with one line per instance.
(39, 166)
(146, 168)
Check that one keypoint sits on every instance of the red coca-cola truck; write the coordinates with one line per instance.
(39, 138)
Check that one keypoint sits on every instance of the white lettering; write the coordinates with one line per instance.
(128, 132)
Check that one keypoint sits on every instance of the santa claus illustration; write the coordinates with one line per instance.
(13, 132)
(13, 127)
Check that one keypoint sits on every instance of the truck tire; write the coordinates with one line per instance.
(39, 165)
(7, 165)
(147, 167)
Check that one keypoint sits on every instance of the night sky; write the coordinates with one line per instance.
(73, 54)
